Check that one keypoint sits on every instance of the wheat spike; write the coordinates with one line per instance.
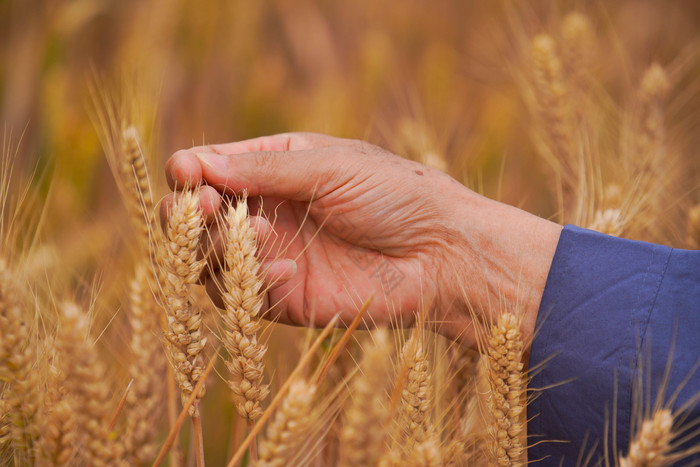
(578, 49)
(243, 301)
(651, 445)
(361, 437)
(504, 352)
(58, 435)
(416, 406)
(137, 186)
(147, 369)
(18, 357)
(608, 221)
(290, 427)
(427, 453)
(87, 387)
(693, 235)
(552, 95)
(4, 424)
(651, 130)
(181, 270)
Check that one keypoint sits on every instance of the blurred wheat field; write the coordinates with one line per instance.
(581, 113)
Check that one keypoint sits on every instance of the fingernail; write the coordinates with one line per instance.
(214, 161)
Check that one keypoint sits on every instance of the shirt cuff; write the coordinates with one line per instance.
(593, 317)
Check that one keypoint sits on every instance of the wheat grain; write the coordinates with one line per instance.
(652, 443)
(243, 301)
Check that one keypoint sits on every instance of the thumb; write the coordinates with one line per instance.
(297, 175)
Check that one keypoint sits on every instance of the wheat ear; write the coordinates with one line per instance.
(553, 98)
(181, 270)
(362, 436)
(578, 49)
(504, 353)
(243, 301)
(87, 388)
(415, 409)
(147, 369)
(651, 445)
(18, 356)
(4, 424)
(57, 441)
(427, 453)
(137, 187)
(290, 427)
(693, 239)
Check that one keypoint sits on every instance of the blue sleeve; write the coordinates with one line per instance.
(612, 312)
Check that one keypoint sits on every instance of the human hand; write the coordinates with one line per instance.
(355, 219)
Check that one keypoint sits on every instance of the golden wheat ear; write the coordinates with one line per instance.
(652, 444)
(87, 388)
(58, 439)
(243, 300)
(506, 397)
(693, 229)
(366, 416)
(144, 406)
(291, 425)
(22, 397)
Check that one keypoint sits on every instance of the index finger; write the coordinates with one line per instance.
(183, 168)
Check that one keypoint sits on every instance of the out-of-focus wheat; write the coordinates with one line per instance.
(88, 389)
(652, 443)
(58, 439)
(553, 102)
(18, 356)
(147, 369)
(693, 229)
(362, 436)
(287, 431)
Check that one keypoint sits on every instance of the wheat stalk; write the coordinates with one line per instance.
(362, 436)
(181, 269)
(87, 387)
(290, 427)
(18, 356)
(504, 353)
(651, 445)
(243, 301)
